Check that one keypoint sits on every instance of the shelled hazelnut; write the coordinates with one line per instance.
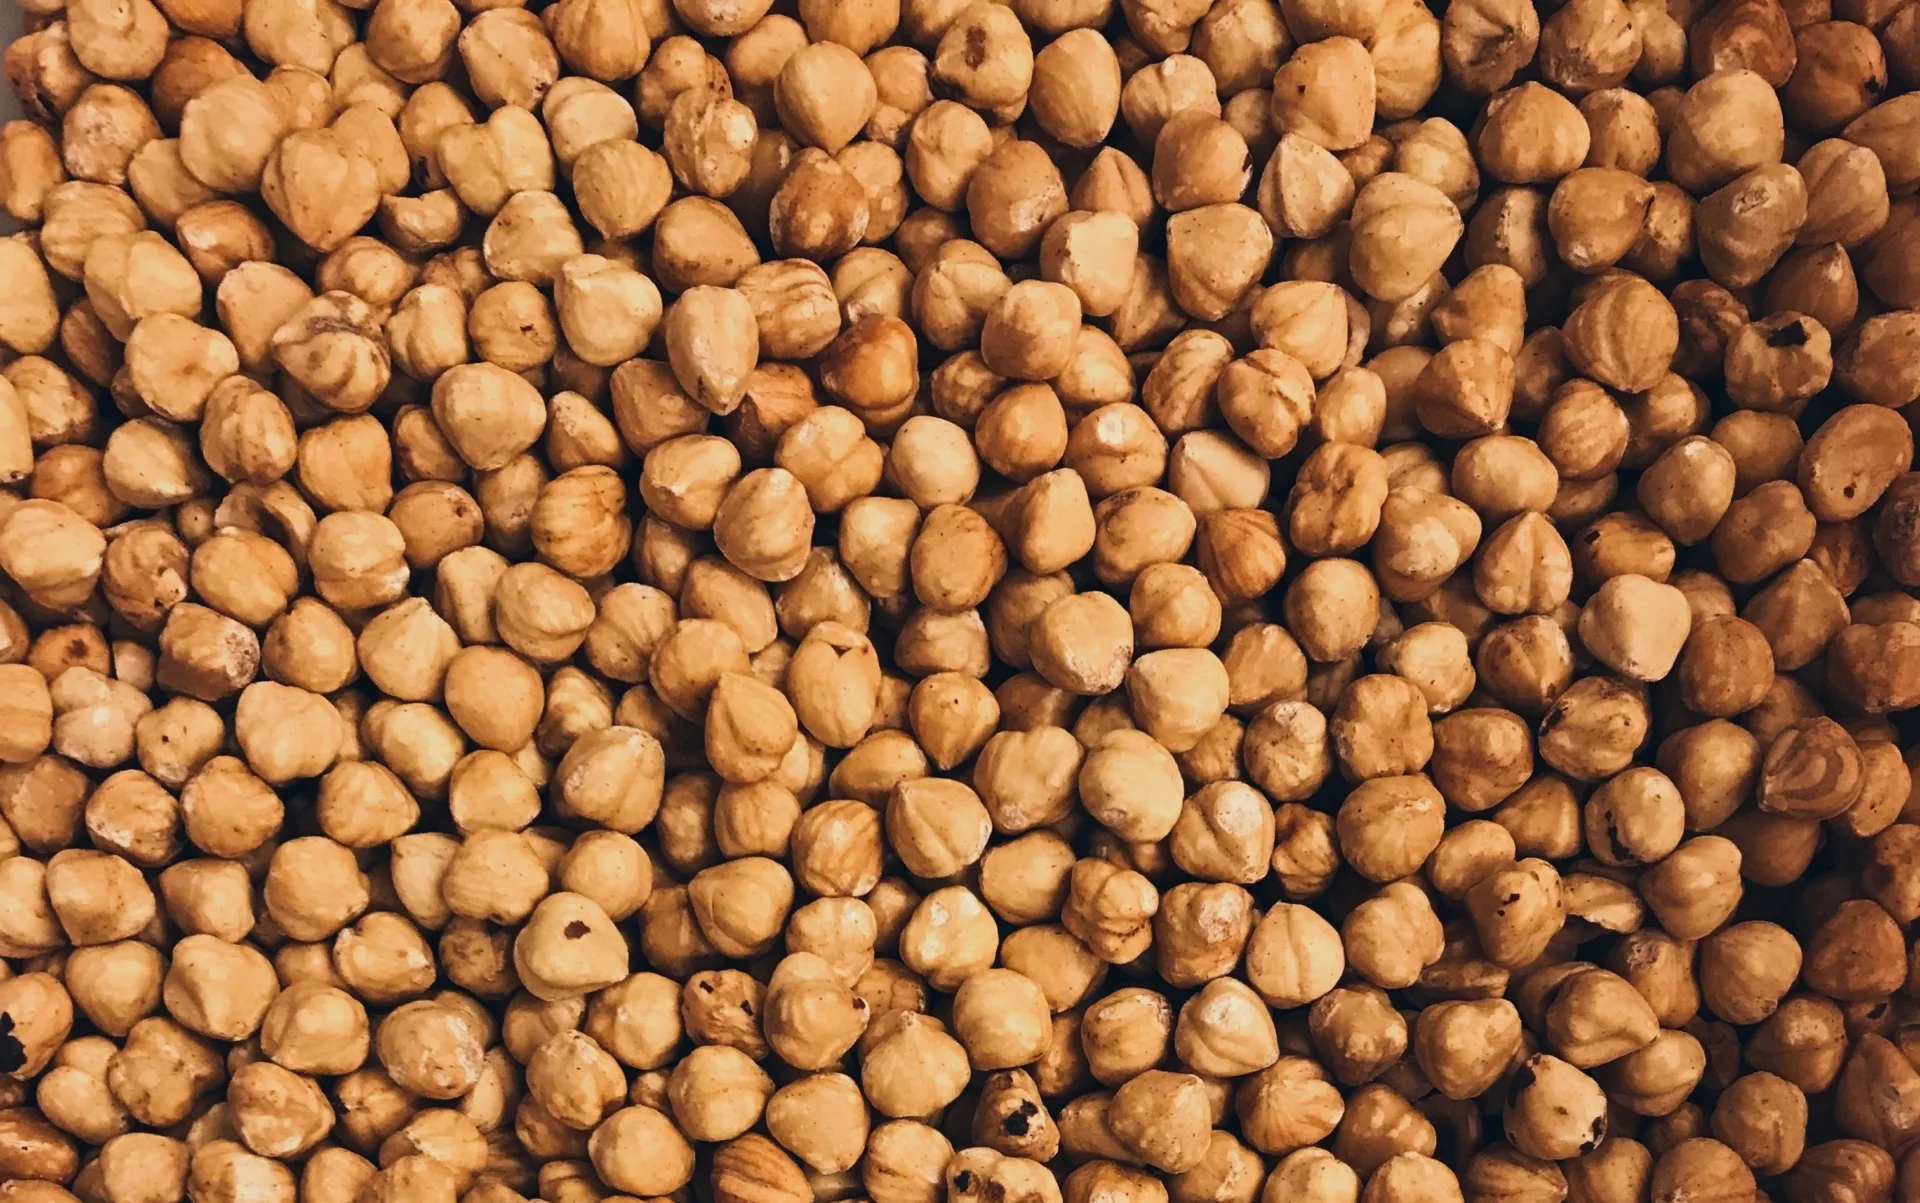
(986, 601)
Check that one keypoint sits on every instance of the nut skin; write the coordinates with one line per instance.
(1352, 552)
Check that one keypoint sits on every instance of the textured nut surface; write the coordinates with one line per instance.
(960, 601)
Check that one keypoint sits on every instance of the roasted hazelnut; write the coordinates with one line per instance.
(1173, 528)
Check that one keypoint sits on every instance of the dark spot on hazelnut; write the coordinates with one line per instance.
(963, 1181)
(1793, 334)
(976, 53)
(576, 929)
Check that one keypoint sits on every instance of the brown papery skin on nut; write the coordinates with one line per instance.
(960, 601)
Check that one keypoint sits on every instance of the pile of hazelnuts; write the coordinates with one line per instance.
(941, 601)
